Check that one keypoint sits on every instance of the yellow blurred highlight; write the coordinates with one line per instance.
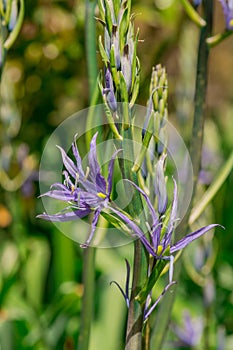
(5, 217)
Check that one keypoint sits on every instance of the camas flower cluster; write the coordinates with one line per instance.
(89, 191)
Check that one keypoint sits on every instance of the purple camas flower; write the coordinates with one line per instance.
(227, 6)
(84, 192)
(160, 245)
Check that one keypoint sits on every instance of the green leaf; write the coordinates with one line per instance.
(146, 289)
(115, 76)
(101, 10)
(116, 222)
(103, 52)
(123, 28)
(135, 62)
(135, 91)
(108, 17)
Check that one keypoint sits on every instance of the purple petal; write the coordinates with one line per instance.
(156, 233)
(93, 227)
(147, 314)
(110, 172)
(68, 163)
(84, 198)
(136, 230)
(127, 280)
(68, 216)
(122, 292)
(191, 237)
(228, 13)
(58, 185)
(78, 158)
(61, 195)
(95, 172)
(152, 211)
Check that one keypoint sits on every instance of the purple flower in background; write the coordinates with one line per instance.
(190, 334)
(84, 192)
(227, 6)
(196, 3)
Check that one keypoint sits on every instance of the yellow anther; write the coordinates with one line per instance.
(101, 195)
(159, 250)
(231, 23)
(73, 188)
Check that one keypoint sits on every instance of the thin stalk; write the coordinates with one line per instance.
(90, 39)
(161, 325)
(89, 253)
(88, 297)
(136, 311)
(200, 93)
(135, 314)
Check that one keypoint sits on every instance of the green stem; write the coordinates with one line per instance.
(200, 93)
(135, 314)
(161, 325)
(88, 297)
(89, 253)
(90, 39)
(136, 310)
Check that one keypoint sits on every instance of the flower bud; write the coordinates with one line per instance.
(160, 186)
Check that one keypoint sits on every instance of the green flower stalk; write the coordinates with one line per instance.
(121, 71)
(155, 121)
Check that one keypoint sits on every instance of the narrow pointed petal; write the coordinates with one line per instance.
(191, 237)
(156, 233)
(58, 186)
(63, 195)
(147, 314)
(68, 163)
(93, 228)
(127, 280)
(148, 202)
(68, 216)
(122, 292)
(95, 172)
(137, 231)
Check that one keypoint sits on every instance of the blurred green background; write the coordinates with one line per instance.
(44, 82)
